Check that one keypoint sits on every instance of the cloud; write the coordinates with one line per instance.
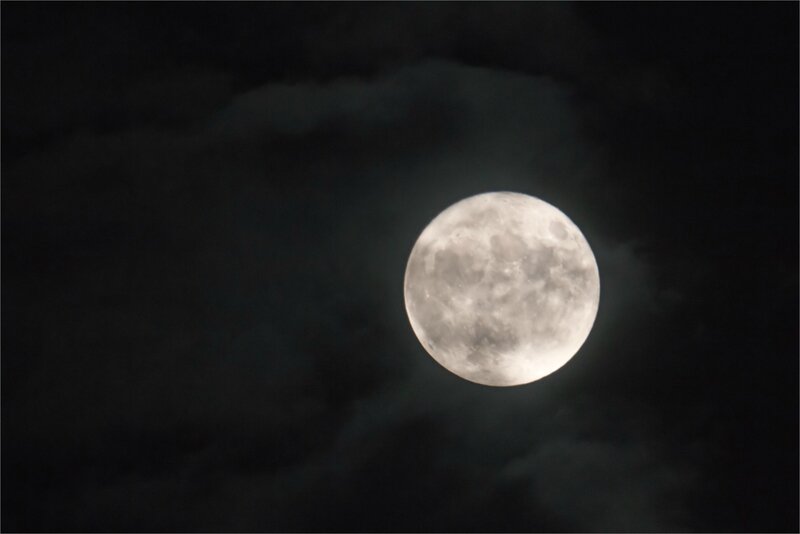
(619, 483)
(222, 325)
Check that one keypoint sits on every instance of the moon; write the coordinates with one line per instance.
(502, 289)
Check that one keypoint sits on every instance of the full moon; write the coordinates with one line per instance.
(502, 289)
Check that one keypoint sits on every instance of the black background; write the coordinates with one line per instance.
(206, 213)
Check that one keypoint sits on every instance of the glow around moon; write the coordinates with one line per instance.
(502, 289)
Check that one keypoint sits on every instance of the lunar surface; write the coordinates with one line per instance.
(502, 289)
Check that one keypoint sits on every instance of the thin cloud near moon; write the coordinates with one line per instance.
(502, 289)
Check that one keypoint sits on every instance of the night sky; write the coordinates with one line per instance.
(207, 211)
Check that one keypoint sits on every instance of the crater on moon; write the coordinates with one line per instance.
(502, 288)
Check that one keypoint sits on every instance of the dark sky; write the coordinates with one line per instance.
(206, 214)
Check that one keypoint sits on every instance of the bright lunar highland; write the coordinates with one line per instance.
(502, 289)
